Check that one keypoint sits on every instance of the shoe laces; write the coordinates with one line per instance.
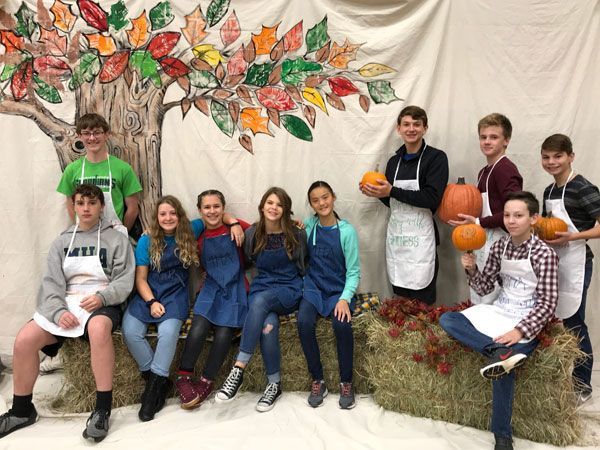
(184, 385)
(100, 417)
(232, 381)
(346, 388)
(270, 392)
(316, 387)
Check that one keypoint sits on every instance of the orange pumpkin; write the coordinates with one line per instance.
(460, 198)
(372, 177)
(546, 227)
(469, 237)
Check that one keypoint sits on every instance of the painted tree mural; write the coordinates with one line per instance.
(122, 67)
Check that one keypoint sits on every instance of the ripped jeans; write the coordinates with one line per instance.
(262, 324)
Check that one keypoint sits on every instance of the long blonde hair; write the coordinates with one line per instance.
(287, 226)
(187, 250)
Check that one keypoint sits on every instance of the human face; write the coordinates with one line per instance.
(518, 221)
(557, 164)
(167, 218)
(94, 139)
(88, 211)
(411, 131)
(321, 200)
(212, 211)
(492, 142)
(272, 209)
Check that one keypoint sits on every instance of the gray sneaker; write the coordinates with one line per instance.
(96, 427)
(9, 422)
(318, 391)
(347, 396)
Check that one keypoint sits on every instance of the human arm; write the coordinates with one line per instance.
(132, 210)
(235, 228)
(505, 178)
(483, 282)
(350, 248)
(51, 301)
(302, 252)
(121, 268)
(70, 208)
(145, 291)
(567, 236)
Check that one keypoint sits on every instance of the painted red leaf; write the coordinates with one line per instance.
(230, 30)
(93, 15)
(174, 67)
(21, 79)
(237, 65)
(292, 40)
(114, 67)
(162, 44)
(246, 142)
(272, 97)
(342, 86)
(11, 41)
(50, 65)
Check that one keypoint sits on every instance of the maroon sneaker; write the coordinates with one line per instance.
(187, 394)
(203, 387)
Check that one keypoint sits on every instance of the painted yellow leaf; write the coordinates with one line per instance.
(208, 53)
(340, 56)
(252, 119)
(313, 96)
(374, 69)
(138, 35)
(64, 19)
(195, 23)
(264, 42)
(104, 44)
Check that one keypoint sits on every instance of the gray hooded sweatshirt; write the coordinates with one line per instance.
(116, 257)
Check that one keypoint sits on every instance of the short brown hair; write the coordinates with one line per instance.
(90, 191)
(416, 112)
(496, 120)
(558, 143)
(533, 205)
(91, 120)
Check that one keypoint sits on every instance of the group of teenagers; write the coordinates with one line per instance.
(518, 282)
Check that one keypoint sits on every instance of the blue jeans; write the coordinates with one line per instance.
(159, 361)
(503, 389)
(307, 325)
(262, 324)
(582, 373)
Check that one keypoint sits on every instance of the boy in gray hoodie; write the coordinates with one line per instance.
(91, 269)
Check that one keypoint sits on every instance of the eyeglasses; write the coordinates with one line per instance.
(89, 134)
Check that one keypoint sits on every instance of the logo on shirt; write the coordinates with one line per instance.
(88, 251)
(102, 182)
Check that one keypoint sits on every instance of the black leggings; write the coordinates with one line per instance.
(195, 341)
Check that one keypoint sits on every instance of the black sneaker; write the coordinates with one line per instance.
(269, 397)
(346, 396)
(502, 361)
(503, 443)
(96, 427)
(318, 391)
(231, 386)
(9, 422)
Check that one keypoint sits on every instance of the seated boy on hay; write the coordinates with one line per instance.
(90, 272)
(505, 331)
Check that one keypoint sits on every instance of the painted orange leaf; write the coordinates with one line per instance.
(272, 97)
(252, 119)
(104, 44)
(237, 65)
(55, 44)
(293, 38)
(114, 66)
(265, 40)
(195, 23)
(341, 55)
(11, 41)
(64, 19)
(230, 30)
(138, 35)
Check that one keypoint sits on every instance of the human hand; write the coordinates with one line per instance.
(298, 223)
(68, 320)
(510, 338)
(91, 303)
(469, 262)
(157, 310)
(466, 219)
(342, 311)
(380, 190)
(237, 234)
(562, 238)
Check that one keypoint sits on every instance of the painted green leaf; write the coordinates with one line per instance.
(222, 118)
(203, 79)
(89, 66)
(297, 70)
(25, 21)
(381, 91)
(45, 91)
(258, 74)
(7, 71)
(316, 37)
(296, 127)
(161, 15)
(143, 62)
(216, 10)
(118, 16)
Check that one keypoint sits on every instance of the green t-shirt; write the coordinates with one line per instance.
(124, 180)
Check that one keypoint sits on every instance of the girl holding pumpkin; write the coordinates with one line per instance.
(278, 249)
(576, 201)
(330, 282)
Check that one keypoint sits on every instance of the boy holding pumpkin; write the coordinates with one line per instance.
(576, 201)
(505, 332)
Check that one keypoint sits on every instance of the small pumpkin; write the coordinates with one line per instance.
(372, 177)
(546, 227)
(462, 198)
(469, 237)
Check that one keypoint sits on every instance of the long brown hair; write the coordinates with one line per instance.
(186, 251)
(287, 226)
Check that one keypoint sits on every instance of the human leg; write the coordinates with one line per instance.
(134, 335)
(345, 350)
(307, 326)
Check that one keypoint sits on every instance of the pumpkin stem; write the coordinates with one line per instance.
(377, 168)
(461, 180)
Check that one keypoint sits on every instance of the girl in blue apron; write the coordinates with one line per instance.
(331, 280)
(277, 248)
(163, 258)
(221, 304)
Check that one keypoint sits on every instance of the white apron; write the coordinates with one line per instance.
(410, 242)
(492, 235)
(516, 299)
(85, 276)
(109, 212)
(571, 261)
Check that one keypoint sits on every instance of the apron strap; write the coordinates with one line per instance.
(487, 180)
(418, 165)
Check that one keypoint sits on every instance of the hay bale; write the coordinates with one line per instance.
(544, 406)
